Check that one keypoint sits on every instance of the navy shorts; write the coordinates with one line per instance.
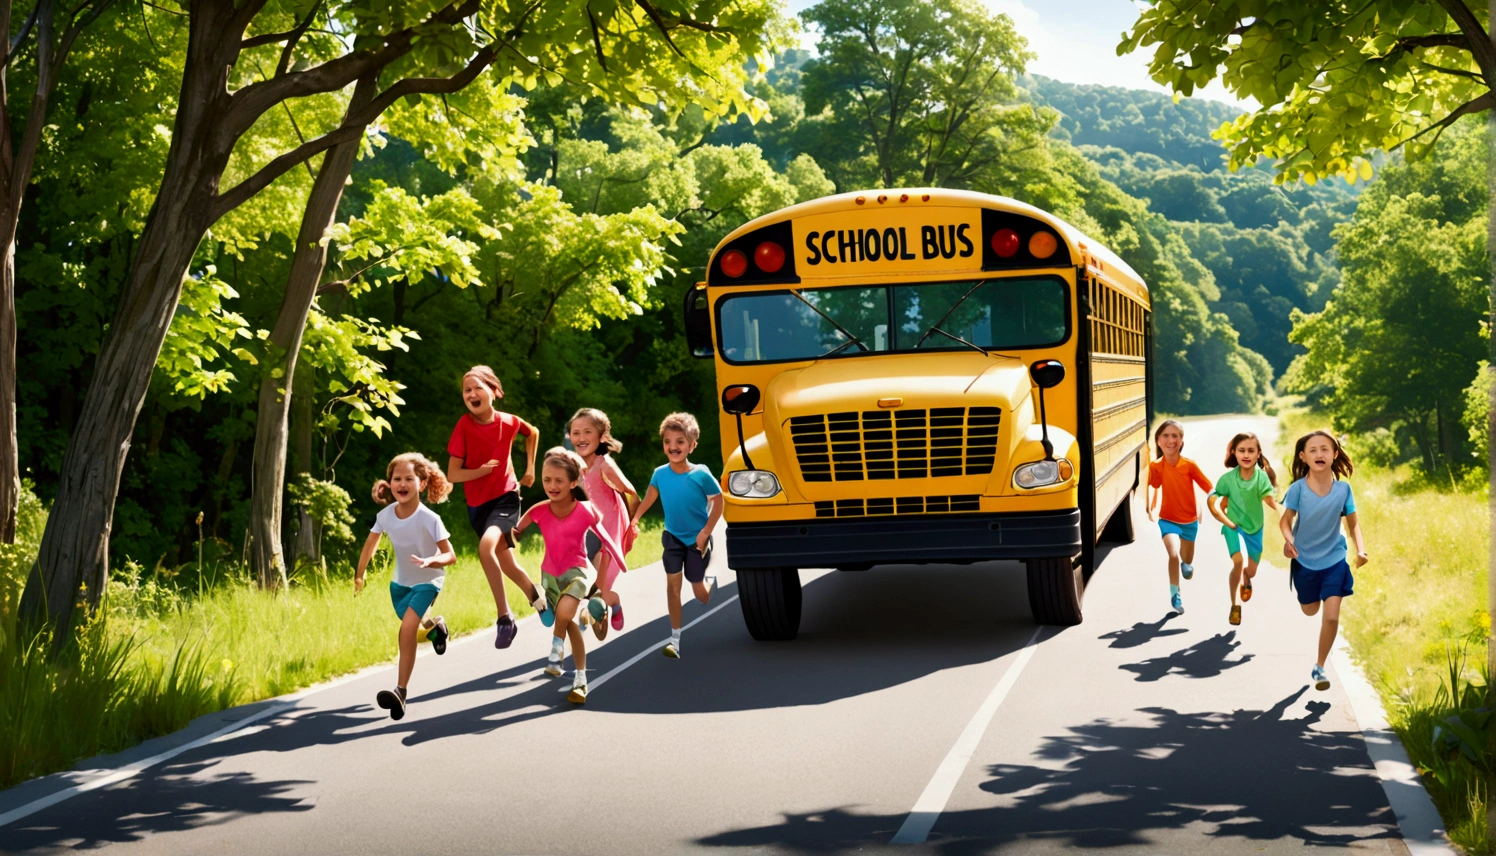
(680, 556)
(1314, 586)
(501, 511)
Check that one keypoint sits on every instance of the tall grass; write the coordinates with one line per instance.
(1418, 623)
(162, 652)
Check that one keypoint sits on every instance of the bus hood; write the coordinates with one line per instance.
(856, 384)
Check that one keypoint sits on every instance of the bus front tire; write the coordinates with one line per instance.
(770, 598)
(1054, 589)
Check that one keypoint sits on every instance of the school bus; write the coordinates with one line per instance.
(922, 376)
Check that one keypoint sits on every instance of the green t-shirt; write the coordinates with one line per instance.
(1244, 497)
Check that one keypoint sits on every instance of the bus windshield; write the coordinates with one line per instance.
(993, 314)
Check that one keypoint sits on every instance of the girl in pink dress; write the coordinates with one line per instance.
(591, 433)
(564, 521)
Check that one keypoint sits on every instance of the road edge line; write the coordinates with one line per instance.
(927, 809)
(599, 681)
(1417, 819)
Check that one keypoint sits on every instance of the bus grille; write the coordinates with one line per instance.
(898, 505)
(904, 444)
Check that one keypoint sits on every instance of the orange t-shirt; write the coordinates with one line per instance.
(1179, 494)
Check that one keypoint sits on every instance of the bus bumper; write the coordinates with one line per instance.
(903, 540)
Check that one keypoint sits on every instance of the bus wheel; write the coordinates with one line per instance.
(771, 603)
(1119, 530)
(1054, 590)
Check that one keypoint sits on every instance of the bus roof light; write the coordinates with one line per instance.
(734, 263)
(1042, 245)
(769, 257)
(1005, 243)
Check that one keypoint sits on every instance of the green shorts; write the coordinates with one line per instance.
(573, 582)
(1235, 538)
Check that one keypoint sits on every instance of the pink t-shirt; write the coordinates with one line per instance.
(566, 538)
(609, 502)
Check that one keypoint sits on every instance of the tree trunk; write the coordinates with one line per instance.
(72, 564)
(1491, 415)
(10, 455)
(269, 478)
(304, 549)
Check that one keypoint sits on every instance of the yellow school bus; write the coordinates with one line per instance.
(922, 376)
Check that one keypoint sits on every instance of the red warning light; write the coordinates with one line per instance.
(734, 263)
(1004, 243)
(769, 257)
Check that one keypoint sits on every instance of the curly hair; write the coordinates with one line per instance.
(438, 488)
(684, 423)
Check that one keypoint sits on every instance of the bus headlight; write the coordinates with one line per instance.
(753, 484)
(1042, 473)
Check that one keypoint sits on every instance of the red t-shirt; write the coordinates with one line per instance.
(477, 444)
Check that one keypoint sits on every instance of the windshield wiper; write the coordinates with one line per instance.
(935, 328)
(851, 340)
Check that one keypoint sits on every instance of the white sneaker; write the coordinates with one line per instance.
(672, 650)
(578, 694)
(553, 665)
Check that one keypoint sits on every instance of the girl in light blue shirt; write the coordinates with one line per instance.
(1312, 511)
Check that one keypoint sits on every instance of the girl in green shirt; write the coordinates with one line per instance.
(1237, 502)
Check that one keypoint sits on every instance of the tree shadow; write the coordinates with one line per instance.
(1158, 786)
(178, 798)
(1143, 632)
(1205, 659)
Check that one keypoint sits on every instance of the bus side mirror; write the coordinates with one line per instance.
(739, 400)
(1047, 374)
(698, 323)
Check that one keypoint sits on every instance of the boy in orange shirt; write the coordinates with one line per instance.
(1171, 483)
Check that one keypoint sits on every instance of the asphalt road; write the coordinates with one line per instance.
(1135, 732)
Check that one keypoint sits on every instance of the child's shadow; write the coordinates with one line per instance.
(1202, 660)
(1142, 633)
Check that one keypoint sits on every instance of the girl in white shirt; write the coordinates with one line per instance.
(422, 552)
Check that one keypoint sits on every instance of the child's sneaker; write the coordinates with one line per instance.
(553, 665)
(1187, 570)
(547, 617)
(1177, 603)
(506, 632)
(438, 636)
(1235, 617)
(672, 650)
(578, 694)
(1321, 682)
(1246, 589)
(392, 701)
(618, 618)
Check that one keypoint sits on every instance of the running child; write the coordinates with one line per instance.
(1242, 491)
(480, 463)
(564, 521)
(422, 550)
(612, 494)
(1171, 484)
(693, 504)
(1312, 509)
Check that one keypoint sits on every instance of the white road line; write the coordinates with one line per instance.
(597, 682)
(937, 793)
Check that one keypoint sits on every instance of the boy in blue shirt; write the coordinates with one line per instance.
(693, 504)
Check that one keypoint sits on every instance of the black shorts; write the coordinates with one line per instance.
(501, 511)
(681, 556)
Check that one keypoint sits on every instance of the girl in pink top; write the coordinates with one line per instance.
(564, 521)
(591, 434)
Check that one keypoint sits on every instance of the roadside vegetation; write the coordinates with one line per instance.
(172, 644)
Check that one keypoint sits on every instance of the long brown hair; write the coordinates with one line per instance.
(572, 464)
(1160, 430)
(486, 376)
(1341, 466)
(1262, 460)
(607, 443)
(437, 486)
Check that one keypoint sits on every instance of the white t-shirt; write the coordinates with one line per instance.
(418, 534)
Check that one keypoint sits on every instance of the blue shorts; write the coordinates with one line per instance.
(1185, 531)
(417, 597)
(1235, 537)
(1314, 586)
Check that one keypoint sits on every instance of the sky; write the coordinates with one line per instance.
(1076, 41)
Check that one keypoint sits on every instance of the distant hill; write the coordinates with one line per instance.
(1136, 121)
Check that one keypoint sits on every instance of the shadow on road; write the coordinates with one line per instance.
(1204, 659)
(1250, 775)
(1142, 633)
(177, 798)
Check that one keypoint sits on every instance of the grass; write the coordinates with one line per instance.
(1417, 623)
(161, 653)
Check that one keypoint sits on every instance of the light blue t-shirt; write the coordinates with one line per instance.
(684, 498)
(1316, 529)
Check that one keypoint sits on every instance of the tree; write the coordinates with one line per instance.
(909, 92)
(439, 48)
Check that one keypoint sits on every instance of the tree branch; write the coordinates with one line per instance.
(21, 36)
(1478, 41)
(1485, 102)
(659, 22)
(597, 42)
(294, 39)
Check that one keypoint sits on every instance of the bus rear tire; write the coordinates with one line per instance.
(1054, 589)
(771, 603)
(1120, 530)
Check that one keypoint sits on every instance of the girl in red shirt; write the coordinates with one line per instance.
(1171, 483)
(480, 447)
